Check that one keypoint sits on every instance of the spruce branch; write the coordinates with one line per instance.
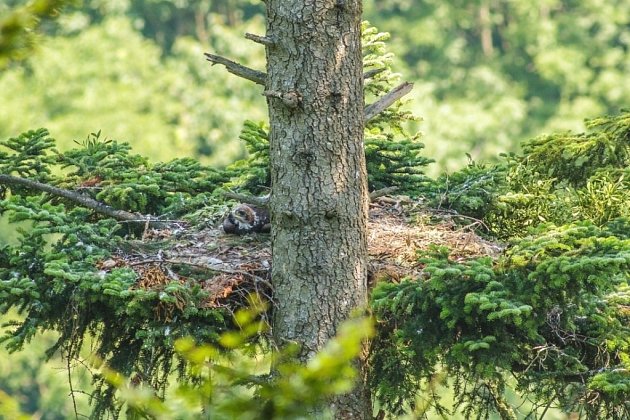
(81, 200)
(387, 100)
(237, 69)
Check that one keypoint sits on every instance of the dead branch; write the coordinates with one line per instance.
(387, 100)
(260, 78)
(453, 213)
(373, 72)
(239, 70)
(264, 200)
(82, 200)
(249, 199)
(208, 267)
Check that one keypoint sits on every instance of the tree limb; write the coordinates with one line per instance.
(249, 199)
(387, 100)
(264, 200)
(373, 72)
(237, 69)
(81, 200)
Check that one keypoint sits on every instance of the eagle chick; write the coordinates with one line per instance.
(247, 219)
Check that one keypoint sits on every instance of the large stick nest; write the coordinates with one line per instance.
(230, 268)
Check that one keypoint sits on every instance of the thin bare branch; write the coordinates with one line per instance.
(373, 72)
(264, 40)
(239, 70)
(81, 200)
(249, 199)
(453, 213)
(387, 100)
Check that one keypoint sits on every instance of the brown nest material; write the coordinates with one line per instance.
(231, 268)
(399, 230)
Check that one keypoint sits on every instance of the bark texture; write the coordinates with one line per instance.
(319, 182)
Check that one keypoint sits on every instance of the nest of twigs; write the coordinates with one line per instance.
(399, 230)
(230, 268)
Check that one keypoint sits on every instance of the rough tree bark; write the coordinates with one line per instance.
(319, 200)
(319, 182)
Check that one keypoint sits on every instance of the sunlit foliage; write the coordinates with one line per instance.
(550, 314)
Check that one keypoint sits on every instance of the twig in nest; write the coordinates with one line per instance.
(383, 191)
(264, 200)
(196, 265)
(453, 213)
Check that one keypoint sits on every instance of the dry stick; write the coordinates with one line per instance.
(249, 199)
(74, 400)
(454, 213)
(387, 100)
(182, 262)
(233, 67)
(264, 200)
(373, 72)
(81, 200)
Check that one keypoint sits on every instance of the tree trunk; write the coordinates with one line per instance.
(485, 22)
(319, 181)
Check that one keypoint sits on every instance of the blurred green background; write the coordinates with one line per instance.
(487, 74)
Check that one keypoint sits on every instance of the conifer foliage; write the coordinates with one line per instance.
(62, 274)
(557, 178)
(550, 315)
(65, 272)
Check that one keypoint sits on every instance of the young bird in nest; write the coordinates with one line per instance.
(247, 219)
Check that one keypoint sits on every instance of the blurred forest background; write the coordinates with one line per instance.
(487, 74)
